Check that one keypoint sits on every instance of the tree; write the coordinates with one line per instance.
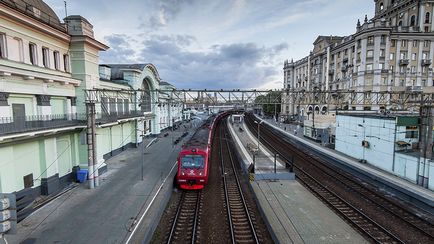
(271, 103)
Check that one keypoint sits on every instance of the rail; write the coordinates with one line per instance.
(234, 196)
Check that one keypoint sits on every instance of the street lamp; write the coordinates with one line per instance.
(254, 158)
(256, 122)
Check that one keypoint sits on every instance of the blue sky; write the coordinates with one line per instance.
(219, 43)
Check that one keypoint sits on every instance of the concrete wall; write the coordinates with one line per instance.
(352, 130)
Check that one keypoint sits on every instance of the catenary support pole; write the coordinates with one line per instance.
(89, 139)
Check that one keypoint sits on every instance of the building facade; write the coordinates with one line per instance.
(46, 66)
(393, 51)
(390, 143)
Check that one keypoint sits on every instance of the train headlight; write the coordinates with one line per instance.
(182, 173)
(200, 173)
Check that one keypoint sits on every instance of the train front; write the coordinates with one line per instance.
(192, 169)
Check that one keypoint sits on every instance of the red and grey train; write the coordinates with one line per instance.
(194, 158)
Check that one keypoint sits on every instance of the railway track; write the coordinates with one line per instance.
(379, 218)
(241, 223)
(185, 223)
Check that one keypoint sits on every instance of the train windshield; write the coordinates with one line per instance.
(192, 162)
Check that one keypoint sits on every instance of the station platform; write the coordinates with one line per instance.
(399, 185)
(292, 213)
(123, 209)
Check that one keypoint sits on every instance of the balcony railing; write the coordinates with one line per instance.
(21, 124)
(115, 116)
(426, 62)
(403, 62)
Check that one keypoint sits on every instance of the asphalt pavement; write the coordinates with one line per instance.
(109, 213)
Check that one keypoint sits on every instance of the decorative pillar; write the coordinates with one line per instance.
(43, 106)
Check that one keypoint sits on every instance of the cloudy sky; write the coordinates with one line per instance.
(218, 43)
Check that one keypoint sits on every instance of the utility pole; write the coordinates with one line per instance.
(426, 144)
(91, 144)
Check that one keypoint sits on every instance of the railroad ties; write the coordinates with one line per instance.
(186, 220)
(379, 217)
(240, 219)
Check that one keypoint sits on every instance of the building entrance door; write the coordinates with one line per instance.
(19, 115)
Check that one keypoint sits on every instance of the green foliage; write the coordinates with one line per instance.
(269, 102)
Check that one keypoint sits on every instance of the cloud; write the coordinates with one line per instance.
(120, 49)
(162, 12)
(237, 65)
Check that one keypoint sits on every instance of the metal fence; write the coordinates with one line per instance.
(114, 116)
(20, 124)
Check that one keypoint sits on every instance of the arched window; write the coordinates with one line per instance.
(400, 23)
(427, 16)
(145, 103)
(381, 6)
(413, 20)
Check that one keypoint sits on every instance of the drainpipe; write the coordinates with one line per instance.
(394, 147)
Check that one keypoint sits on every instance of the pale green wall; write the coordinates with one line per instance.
(58, 105)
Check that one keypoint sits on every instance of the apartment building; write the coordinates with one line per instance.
(393, 51)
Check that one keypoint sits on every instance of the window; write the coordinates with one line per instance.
(391, 67)
(426, 43)
(3, 46)
(369, 67)
(370, 40)
(400, 23)
(413, 20)
(413, 69)
(382, 53)
(56, 60)
(384, 80)
(426, 29)
(425, 55)
(46, 57)
(413, 56)
(427, 17)
(33, 54)
(415, 42)
(66, 62)
(383, 39)
(391, 56)
(392, 43)
(381, 66)
(403, 43)
(411, 132)
(381, 6)
(370, 54)
(403, 55)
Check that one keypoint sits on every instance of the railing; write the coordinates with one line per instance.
(115, 116)
(426, 62)
(21, 124)
(403, 62)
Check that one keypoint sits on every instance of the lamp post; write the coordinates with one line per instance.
(258, 142)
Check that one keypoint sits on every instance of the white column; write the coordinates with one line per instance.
(308, 73)
(377, 73)
(397, 58)
(421, 16)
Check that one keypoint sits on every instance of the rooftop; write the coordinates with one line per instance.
(36, 9)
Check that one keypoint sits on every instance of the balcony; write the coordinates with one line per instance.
(403, 62)
(21, 124)
(413, 88)
(426, 62)
(331, 71)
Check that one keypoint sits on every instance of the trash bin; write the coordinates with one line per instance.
(82, 175)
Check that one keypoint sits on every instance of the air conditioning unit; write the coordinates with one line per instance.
(365, 144)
